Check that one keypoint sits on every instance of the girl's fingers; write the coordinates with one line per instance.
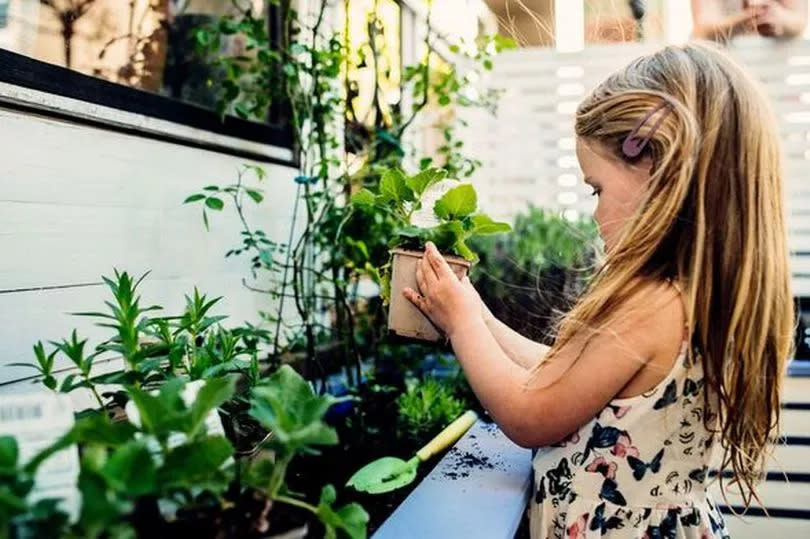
(415, 298)
(420, 279)
(428, 273)
(438, 262)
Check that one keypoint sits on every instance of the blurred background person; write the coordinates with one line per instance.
(722, 20)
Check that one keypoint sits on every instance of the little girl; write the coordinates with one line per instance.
(678, 345)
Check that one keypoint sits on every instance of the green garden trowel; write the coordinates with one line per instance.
(390, 473)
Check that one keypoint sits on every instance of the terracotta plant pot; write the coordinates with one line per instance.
(404, 318)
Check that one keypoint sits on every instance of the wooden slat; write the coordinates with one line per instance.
(796, 422)
(78, 201)
(761, 527)
(796, 390)
(772, 493)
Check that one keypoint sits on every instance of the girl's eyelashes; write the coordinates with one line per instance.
(592, 185)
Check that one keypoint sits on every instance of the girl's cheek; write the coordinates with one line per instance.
(598, 216)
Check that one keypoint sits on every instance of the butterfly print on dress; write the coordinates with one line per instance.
(667, 529)
(603, 466)
(691, 388)
(602, 524)
(610, 492)
(640, 467)
(670, 396)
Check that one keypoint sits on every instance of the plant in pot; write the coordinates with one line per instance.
(179, 461)
(426, 206)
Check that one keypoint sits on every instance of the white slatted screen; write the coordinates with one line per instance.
(528, 150)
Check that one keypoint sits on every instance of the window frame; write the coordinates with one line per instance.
(31, 85)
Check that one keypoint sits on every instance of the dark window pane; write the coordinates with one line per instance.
(145, 44)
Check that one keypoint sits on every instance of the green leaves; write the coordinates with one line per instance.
(363, 198)
(166, 413)
(197, 463)
(421, 181)
(214, 203)
(212, 395)
(401, 196)
(483, 225)
(457, 203)
(161, 414)
(288, 407)
(126, 317)
(8, 454)
(394, 188)
(427, 407)
(131, 468)
(44, 365)
(351, 519)
(18, 516)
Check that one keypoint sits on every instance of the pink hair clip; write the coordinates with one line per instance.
(634, 145)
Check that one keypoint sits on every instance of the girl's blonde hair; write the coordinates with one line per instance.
(711, 219)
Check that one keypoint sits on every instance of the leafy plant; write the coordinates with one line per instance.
(288, 407)
(426, 407)
(191, 345)
(310, 76)
(163, 466)
(19, 516)
(401, 196)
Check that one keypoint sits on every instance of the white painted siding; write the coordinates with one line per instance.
(77, 201)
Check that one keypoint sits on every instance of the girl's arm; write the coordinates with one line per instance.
(521, 350)
(570, 390)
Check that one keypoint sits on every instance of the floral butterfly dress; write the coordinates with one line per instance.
(636, 470)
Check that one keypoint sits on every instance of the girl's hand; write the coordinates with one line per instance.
(447, 301)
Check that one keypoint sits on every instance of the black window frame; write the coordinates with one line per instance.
(27, 72)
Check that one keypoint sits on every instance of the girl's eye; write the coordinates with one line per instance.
(596, 191)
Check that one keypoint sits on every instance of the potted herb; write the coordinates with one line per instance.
(205, 444)
(426, 206)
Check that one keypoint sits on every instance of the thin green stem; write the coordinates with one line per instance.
(298, 503)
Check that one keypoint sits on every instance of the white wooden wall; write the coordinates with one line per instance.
(528, 149)
(77, 201)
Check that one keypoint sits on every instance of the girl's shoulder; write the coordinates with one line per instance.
(660, 323)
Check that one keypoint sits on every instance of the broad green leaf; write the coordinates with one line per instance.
(462, 249)
(484, 225)
(8, 454)
(213, 394)
(363, 198)
(195, 462)
(194, 198)
(164, 413)
(255, 195)
(447, 235)
(420, 182)
(10, 504)
(287, 406)
(457, 203)
(351, 519)
(101, 508)
(131, 469)
(214, 203)
(394, 188)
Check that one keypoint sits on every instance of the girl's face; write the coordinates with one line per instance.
(619, 186)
